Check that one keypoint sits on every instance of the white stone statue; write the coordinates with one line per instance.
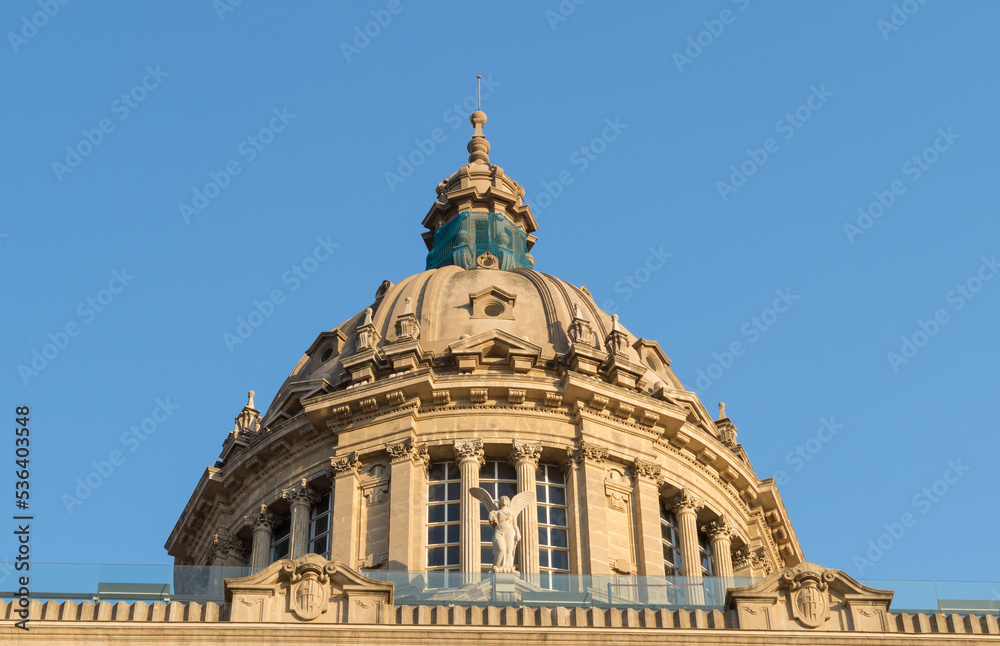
(503, 519)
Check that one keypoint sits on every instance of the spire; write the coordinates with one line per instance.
(478, 147)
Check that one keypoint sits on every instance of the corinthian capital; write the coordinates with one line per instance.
(349, 464)
(300, 494)
(525, 452)
(686, 502)
(589, 452)
(719, 528)
(261, 519)
(472, 450)
(648, 470)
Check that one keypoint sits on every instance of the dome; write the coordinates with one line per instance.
(451, 305)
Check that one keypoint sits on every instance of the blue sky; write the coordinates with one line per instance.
(822, 176)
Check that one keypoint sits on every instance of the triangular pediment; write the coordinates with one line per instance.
(493, 341)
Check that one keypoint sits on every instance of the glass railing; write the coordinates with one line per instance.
(104, 582)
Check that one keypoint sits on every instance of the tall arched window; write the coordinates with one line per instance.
(443, 505)
(500, 479)
(553, 532)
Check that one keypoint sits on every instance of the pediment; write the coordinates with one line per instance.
(308, 589)
(495, 346)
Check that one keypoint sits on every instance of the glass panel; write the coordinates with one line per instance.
(453, 555)
(436, 492)
(437, 471)
(557, 516)
(435, 535)
(543, 515)
(505, 471)
(543, 558)
(556, 476)
(540, 490)
(557, 495)
(435, 557)
(435, 514)
(560, 560)
(485, 533)
(543, 536)
(453, 491)
(319, 545)
(560, 538)
(486, 556)
(452, 533)
(506, 489)
(453, 510)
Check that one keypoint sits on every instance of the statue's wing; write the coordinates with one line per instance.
(484, 497)
(520, 501)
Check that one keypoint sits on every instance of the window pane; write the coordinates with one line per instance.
(435, 535)
(560, 538)
(436, 492)
(453, 555)
(560, 560)
(319, 546)
(543, 514)
(486, 556)
(540, 491)
(437, 471)
(557, 516)
(555, 476)
(435, 514)
(505, 471)
(485, 533)
(453, 510)
(452, 533)
(453, 491)
(557, 495)
(543, 558)
(506, 489)
(435, 557)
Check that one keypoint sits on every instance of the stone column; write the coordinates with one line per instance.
(470, 459)
(593, 516)
(226, 550)
(346, 506)
(721, 532)
(686, 508)
(646, 505)
(263, 523)
(300, 499)
(524, 457)
(407, 505)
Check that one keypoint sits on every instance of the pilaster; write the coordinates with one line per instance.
(407, 505)
(346, 508)
(524, 457)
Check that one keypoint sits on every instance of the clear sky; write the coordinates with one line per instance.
(797, 200)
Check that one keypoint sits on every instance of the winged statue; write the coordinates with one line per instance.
(503, 519)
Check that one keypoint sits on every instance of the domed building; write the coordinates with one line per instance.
(482, 453)
(482, 372)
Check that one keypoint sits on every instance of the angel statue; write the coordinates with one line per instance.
(503, 519)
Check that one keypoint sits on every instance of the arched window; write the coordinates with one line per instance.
(319, 527)
(671, 538)
(500, 479)
(443, 505)
(553, 532)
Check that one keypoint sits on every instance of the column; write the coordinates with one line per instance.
(524, 457)
(263, 523)
(407, 505)
(593, 509)
(300, 499)
(226, 550)
(345, 533)
(470, 460)
(686, 508)
(646, 503)
(721, 532)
